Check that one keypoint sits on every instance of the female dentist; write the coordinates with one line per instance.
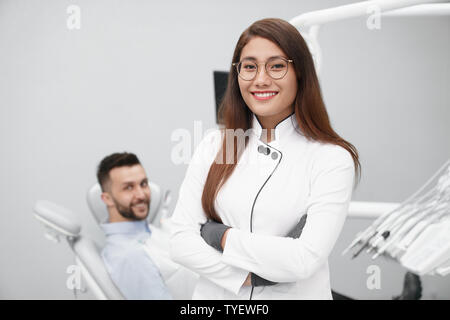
(265, 198)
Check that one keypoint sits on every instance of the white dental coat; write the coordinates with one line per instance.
(262, 201)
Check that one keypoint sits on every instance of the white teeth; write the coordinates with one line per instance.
(265, 94)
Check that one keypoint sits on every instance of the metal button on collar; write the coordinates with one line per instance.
(274, 155)
(263, 150)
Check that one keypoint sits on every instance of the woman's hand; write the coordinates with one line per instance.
(248, 281)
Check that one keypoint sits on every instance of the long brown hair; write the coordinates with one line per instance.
(310, 111)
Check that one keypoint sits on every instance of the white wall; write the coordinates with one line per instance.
(138, 70)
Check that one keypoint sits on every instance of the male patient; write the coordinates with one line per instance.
(126, 193)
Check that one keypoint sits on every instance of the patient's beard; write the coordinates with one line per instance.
(128, 213)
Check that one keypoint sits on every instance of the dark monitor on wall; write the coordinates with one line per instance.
(220, 86)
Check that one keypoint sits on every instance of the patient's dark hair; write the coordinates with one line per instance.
(113, 161)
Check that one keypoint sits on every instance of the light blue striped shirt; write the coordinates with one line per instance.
(130, 267)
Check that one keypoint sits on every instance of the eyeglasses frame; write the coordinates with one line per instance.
(236, 64)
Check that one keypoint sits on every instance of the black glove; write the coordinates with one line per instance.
(295, 233)
(212, 232)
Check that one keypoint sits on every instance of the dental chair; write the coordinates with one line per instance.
(61, 222)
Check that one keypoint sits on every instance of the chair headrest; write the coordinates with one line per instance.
(58, 218)
(100, 211)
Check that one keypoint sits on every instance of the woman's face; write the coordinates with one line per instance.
(269, 99)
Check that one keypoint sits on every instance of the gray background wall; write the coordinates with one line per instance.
(138, 70)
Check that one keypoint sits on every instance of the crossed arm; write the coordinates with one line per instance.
(215, 234)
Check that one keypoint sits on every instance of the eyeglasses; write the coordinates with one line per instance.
(276, 68)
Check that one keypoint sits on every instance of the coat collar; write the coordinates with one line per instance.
(126, 227)
(285, 128)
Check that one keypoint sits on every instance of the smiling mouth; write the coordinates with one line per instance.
(141, 205)
(264, 95)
